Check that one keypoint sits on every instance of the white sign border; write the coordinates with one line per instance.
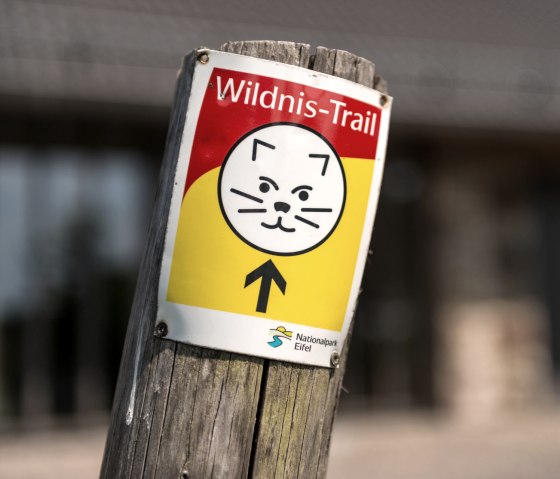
(249, 334)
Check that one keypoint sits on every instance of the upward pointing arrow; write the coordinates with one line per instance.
(268, 272)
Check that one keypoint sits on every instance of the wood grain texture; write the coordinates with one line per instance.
(299, 402)
(187, 412)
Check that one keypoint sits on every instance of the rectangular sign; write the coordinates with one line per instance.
(272, 210)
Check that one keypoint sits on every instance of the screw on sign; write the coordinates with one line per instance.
(161, 330)
(276, 189)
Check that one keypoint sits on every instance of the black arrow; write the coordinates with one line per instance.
(268, 272)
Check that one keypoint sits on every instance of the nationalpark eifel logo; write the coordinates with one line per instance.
(279, 335)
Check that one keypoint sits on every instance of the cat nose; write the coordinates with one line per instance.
(281, 206)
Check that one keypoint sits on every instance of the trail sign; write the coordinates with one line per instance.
(272, 210)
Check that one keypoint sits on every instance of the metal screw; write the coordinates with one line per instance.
(383, 100)
(335, 359)
(184, 474)
(161, 329)
(202, 56)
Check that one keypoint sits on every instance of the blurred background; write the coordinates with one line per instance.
(455, 359)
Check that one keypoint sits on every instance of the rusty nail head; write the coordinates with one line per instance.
(161, 329)
(202, 56)
(335, 359)
(383, 100)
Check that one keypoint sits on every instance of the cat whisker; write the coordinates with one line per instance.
(246, 195)
(252, 210)
(306, 221)
(316, 210)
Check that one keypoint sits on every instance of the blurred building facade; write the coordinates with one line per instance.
(459, 307)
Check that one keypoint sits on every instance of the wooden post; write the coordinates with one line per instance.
(186, 412)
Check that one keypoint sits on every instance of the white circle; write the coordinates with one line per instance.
(282, 189)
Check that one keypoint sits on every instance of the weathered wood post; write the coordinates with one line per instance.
(183, 411)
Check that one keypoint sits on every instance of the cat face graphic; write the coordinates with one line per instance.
(282, 189)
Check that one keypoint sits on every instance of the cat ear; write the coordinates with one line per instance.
(325, 157)
(262, 143)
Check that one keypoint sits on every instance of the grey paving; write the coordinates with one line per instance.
(368, 446)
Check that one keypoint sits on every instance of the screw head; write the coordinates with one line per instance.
(383, 100)
(203, 56)
(161, 329)
(335, 359)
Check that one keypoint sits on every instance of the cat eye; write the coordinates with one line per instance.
(264, 187)
(303, 195)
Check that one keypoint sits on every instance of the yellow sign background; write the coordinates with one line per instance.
(210, 263)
